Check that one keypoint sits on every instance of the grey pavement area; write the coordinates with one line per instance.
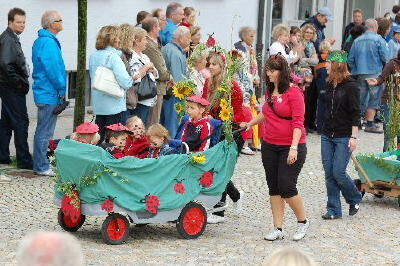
(372, 237)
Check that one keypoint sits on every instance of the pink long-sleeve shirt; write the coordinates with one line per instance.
(279, 131)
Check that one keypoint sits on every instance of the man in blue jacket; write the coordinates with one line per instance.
(367, 56)
(175, 15)
(175, 59)
(49, 86)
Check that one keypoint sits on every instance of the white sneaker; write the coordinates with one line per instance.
(49, 172)
(274, 235)
(4, 179)
(237, 206)
(247, 151)
(301, 230)
(215, 219)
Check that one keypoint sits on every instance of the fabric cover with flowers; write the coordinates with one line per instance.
(144, 177)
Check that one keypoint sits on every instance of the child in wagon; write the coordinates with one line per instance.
(115, 141)
(159, 138)
(87, 133)
(197, 131)
(137, 144)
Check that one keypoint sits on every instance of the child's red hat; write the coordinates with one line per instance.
(87, 128)
(198, 99)
(117, 127)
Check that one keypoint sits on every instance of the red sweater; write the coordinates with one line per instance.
(137, 147)
(279, 131)
(236, 102)
(199, 130)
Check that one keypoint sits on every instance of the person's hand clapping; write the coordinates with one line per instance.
(372, 81)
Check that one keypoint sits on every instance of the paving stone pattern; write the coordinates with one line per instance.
(372, 237)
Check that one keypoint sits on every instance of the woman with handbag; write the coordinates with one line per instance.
(126, 45)
(108, 97)
(283, 150)
(144, 76)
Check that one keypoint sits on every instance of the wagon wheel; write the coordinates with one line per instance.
(357, 182)
(192, 221)
(115, 229)
(67, 224)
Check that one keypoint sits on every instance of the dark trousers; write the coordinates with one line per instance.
(311, 95)
(230, 189)
(105, 120)
(14, 117)
(282, 177)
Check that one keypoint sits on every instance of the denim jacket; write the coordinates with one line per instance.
(368, 54)
(175, 59)
(394, 46)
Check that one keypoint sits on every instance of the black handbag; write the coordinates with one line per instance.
(146, 88)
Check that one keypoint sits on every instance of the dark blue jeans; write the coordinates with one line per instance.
(320, 112)
(14, 117)
(335, 155)
(169, 117)
(46, 123)
(386, 113)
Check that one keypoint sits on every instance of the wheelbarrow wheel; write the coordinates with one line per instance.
(67, 224)
(358, 183)
(192, 221)
(115, 229)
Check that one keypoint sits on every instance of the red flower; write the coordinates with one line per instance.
(70, 207)
(108, 206)
(152, 203)
(179, 188)
(207, 179)
(211, 41)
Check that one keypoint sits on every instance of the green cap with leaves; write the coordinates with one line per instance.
(337, 56)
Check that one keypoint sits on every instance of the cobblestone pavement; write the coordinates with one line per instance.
(372, 237)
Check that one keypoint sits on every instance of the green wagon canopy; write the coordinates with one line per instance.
(174, 179)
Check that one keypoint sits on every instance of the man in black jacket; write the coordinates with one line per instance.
(14, 86)
(357, 20)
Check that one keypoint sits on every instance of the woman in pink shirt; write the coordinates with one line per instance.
(284, 145)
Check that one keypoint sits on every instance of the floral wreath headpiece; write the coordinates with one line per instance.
(212, 43)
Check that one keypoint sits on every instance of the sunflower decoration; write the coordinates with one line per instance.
(222, 89)
(199, 159)
(225, 114)
(223, 103)
(179, 107)
(183, 89)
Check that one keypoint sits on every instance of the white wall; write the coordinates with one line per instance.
(215, 16)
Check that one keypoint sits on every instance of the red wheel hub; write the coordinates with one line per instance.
(193, 221)
(69, 222)
(116, 229)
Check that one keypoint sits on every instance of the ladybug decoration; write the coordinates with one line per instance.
(108, 206)
(70, 207)
(207, 179)
(152, 203)
(211, 41)
(179, 188)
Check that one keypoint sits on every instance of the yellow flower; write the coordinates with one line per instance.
(178, 108)
(223, 103)
(225, 114)
(179, 91)
(200, 159)
(222, 89)
(187, 90)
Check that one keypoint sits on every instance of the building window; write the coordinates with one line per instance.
(305, 9)
(276, 12)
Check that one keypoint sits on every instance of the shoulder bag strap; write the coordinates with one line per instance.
(271, 104)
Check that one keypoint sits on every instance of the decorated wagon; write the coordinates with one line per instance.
(379, 174)
(179, 188)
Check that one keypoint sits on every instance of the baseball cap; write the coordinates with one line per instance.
(326, 12)
(396, 28)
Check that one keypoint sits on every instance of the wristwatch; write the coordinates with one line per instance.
(353, 137)
(293, 147)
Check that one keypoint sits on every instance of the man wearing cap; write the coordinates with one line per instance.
(319, 22)
(367, 56)
(394, 43)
